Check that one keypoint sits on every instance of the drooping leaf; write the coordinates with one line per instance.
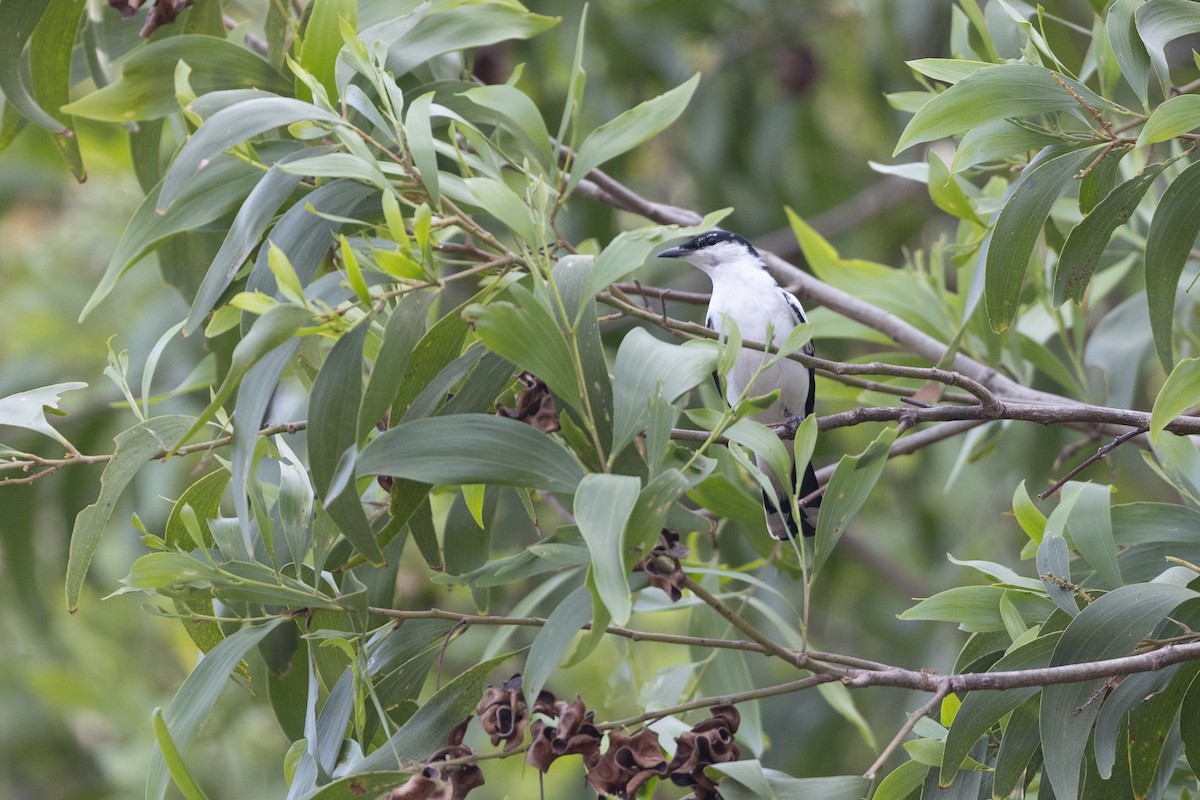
(551, 642)
(1160, 22)
(321, 42)
(1086, 243)
(472, 448)
(18, 20)
(501, 202)
(1090, 524)
(851, 483)
(462, 28)
(629, 129)
(1127, 47)
(50, 50)
(197, 696)
(178, 768)
(603, 503)
(1180, 392)
(749, 780)
(996, 140)
(1169, 241)
(1178, 115)
(1017, 229)
(519, 114)
(146, 88)
(133, 449)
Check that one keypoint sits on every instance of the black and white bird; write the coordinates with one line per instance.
(744, 293)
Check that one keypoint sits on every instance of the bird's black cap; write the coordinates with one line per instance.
(706, 239)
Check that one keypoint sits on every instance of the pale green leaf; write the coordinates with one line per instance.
(603, 503)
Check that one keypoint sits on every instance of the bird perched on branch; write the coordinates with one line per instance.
(744, 293)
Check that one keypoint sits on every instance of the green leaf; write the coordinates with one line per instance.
(1021, 740)
(519, 115)
(501, 202)
(1189, 724)
(28, 409)
(646, 366)
(401, 334)
(426, 730)
(1176, 116)
(946, 192)
(749, 780)
(527, 334)
(420, 143)
(18, 20)
(1090, 524)
(180, 773)
(629, 129)
(1003, 91)
(1169, 241)
(1160, 22)
(902, 782)
(997, 140)
(629, 250)
(1180, 392)
(146, 88)
(980, 710)
(1017, 229)
(133, 449)
(197, 696)
(230, 126)
(215, 192)
(1127, 47)
(566, 620)
(603, 503)
(321, 42)
(463, 28)
(1087, 240)
(946, 70)
(851, 483)
(977, 608)
(1029, 516)
(1109, 627)
(50, 50)
(472, 448)
(203, 499)
(269, 331)
(333, 407)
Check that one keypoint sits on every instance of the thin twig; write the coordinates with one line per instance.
(905, 729)
(1092, 459)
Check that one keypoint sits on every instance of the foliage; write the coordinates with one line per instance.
(370, 236)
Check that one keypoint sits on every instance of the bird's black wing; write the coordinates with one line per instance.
(798, 312)
(708, 323)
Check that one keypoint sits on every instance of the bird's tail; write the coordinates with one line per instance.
(780, 523)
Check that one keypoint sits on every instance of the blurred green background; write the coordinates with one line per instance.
(790, 112)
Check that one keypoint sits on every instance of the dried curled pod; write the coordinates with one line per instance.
(503, 714)
(709, 742)
(575, 733)
(628, 764)
(663, 567)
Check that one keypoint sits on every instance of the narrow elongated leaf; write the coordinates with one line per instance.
(628, 130)
(133, 449)
(1090, 524)
(332, 430)
(503, 203)
(197, 696)
(630, 249)
(400, 336)
(603, 503)
(1160, 22)
(216, 191)
(748, 780)
(851, 483)
(50, 51)
(18, 19)
(519, 114)
(646, 366)
(321, 42)
(462, 28)
(1127, 47)
(1180, 392)
(472, 448)
(996, 140)
(1087, 240)
(1172, 233)
(980, 710)
(426, 730)
(146, 88)
(1109, 627)
(420, 143)
(566, 620)
(230, 126)
(1017, 229)
(1002, 91)
(204, 499)
(1189, 724)
(527, 334)
(356, 787)
(252, 219)
(174, 760)
(1021, 740)
(1178, 115)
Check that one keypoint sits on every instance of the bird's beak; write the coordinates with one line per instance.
(674, 252)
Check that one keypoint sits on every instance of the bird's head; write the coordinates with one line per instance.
(717, 252)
